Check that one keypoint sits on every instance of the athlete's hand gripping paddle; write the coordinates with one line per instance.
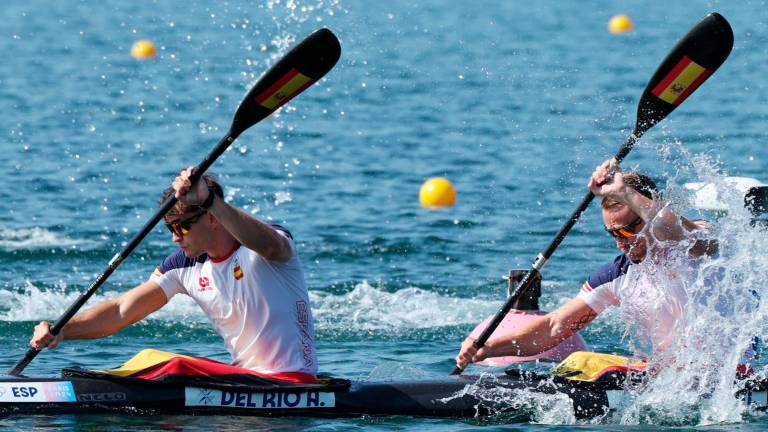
(695, 57)
(306, 63)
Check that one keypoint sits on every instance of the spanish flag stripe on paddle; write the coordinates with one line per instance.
(284, 89)
(681, 81)
(697, 82)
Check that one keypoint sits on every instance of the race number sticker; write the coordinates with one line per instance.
(195, 396)
(25, 391)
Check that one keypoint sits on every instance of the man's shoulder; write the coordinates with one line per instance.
(609, 271)
(179, 260)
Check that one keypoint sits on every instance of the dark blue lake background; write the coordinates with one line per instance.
(514, 102)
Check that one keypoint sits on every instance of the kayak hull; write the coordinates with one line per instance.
(458, 397)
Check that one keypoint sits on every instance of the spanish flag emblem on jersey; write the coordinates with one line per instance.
(284, 89)
(681, 81)
(238, 272)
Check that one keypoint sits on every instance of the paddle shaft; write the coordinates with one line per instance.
(542, 258)
(115, 262)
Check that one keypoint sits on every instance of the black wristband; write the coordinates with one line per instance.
(205, 205)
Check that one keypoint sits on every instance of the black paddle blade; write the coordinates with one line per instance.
(306, 63)
(694, 59)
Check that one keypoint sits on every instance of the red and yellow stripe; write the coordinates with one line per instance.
(681, 81)
(291, 84)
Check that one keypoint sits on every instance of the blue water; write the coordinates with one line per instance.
(514, 103)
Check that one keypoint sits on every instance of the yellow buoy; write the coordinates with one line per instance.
(437, 192)
(143, 49)
(620, 24)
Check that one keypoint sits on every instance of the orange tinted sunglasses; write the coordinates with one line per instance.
(182, 227)
(625, 232)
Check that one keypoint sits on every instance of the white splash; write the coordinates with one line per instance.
(364, 308)
(282, 197)
(725, 309)
(286, 15)
(535, 406)
(32, 303)
(34, 238)
(370, 308)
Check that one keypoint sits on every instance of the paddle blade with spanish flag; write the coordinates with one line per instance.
(306, 63)
(694, 59)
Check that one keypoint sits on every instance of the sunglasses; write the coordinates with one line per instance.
(182, 227)
(626, 231)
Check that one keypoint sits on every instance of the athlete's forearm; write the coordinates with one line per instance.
(665, 224)
(111, 316)
(251, 232)
(544, 332)
(101, 320)
(537, 336)
(529, 340)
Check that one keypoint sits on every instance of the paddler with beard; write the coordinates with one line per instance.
(660, 255)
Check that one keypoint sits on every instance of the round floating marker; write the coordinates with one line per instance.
(143, 49)
(620, 24)
(437, 192)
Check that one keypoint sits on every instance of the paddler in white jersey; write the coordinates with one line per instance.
(659, 253)
(245, 275)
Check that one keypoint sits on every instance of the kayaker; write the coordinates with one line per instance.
(659, 250)
(245, 275)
